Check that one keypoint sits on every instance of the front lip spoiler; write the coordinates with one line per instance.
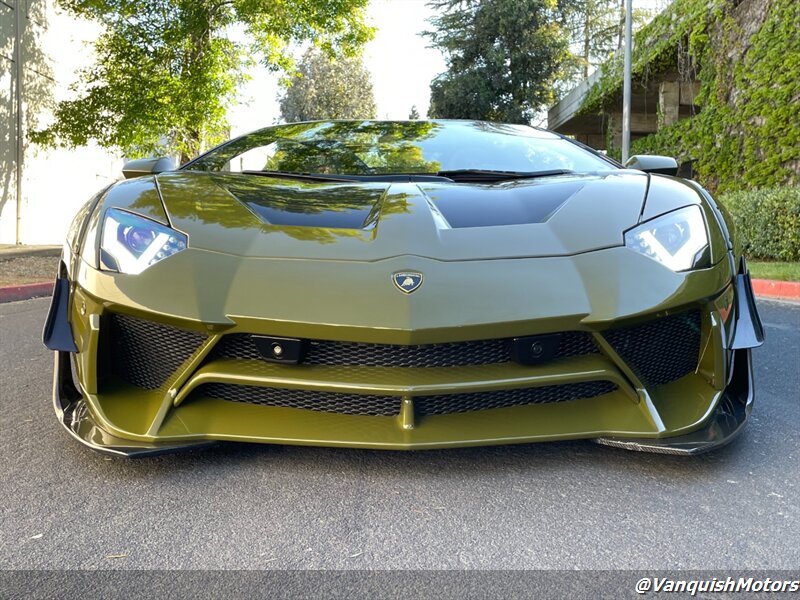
(726, 422)
(74, 416)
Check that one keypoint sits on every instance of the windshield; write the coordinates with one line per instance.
(399, 147)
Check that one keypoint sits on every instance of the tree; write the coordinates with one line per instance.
(414, 114)
(503, 58)
(598, 31)
(326, 88)
(595, 28)
(166, 70)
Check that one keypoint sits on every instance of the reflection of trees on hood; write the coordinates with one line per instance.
(301, 197)
(194, 197)
(390, 204)
(232, 202)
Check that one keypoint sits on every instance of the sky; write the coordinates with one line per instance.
(398, 58)
(401, 65)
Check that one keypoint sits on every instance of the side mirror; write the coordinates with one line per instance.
(147, 166)
(651, 163)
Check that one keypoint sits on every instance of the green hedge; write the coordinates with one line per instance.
(767, 221)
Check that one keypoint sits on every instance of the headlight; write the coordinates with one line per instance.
(132, 243)
(677, 240)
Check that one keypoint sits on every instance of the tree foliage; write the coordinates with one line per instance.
(328, 88)
(595, 30)
(503, 58)
(745, 132)
(166, 70)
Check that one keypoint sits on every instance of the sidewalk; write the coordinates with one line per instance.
(12, 251)
(27, 271)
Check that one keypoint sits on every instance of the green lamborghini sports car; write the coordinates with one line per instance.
(402, 285)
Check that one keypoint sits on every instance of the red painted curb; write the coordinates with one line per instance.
(25, 292)
(786, 290)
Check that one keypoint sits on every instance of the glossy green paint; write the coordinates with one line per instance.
(201, 205)
(132, 413)
(242, 274)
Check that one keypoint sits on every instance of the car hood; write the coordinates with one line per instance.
(256, 216)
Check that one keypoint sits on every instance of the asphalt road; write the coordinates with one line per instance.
(566, 505)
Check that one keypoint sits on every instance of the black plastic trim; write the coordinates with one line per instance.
(57, 334)
(748, 330)
(280, 349)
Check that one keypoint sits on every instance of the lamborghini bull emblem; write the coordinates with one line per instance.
(407, 281)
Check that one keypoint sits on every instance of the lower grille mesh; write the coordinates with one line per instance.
(334, 402)
(457, 403)
(146, 354)
(455, 354)
(661, 350)
(360, 404)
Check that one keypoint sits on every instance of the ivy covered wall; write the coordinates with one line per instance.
(746, 56)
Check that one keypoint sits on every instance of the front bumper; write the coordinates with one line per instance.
(73, 414)
(723, 425)
(633, 420)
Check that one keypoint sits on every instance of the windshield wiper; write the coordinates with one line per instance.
(338, 177)
(488, 176)
(298, 176)
(458, 176)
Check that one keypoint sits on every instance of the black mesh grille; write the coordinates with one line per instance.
(146, 354)
(334, 402)
(458, 403)
(456, 354)
(661, 350)
(358, 404)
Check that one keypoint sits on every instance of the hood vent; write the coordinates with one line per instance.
(510, 204)
(334, 206)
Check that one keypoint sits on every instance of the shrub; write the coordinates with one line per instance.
(767, 221)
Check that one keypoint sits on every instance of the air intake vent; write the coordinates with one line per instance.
(146, 354)
(333, 402)
(661, 350)
(359, 404)
(458, 403)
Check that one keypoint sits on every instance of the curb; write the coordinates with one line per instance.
(783, 290)
(763, 288)
(15, 293)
